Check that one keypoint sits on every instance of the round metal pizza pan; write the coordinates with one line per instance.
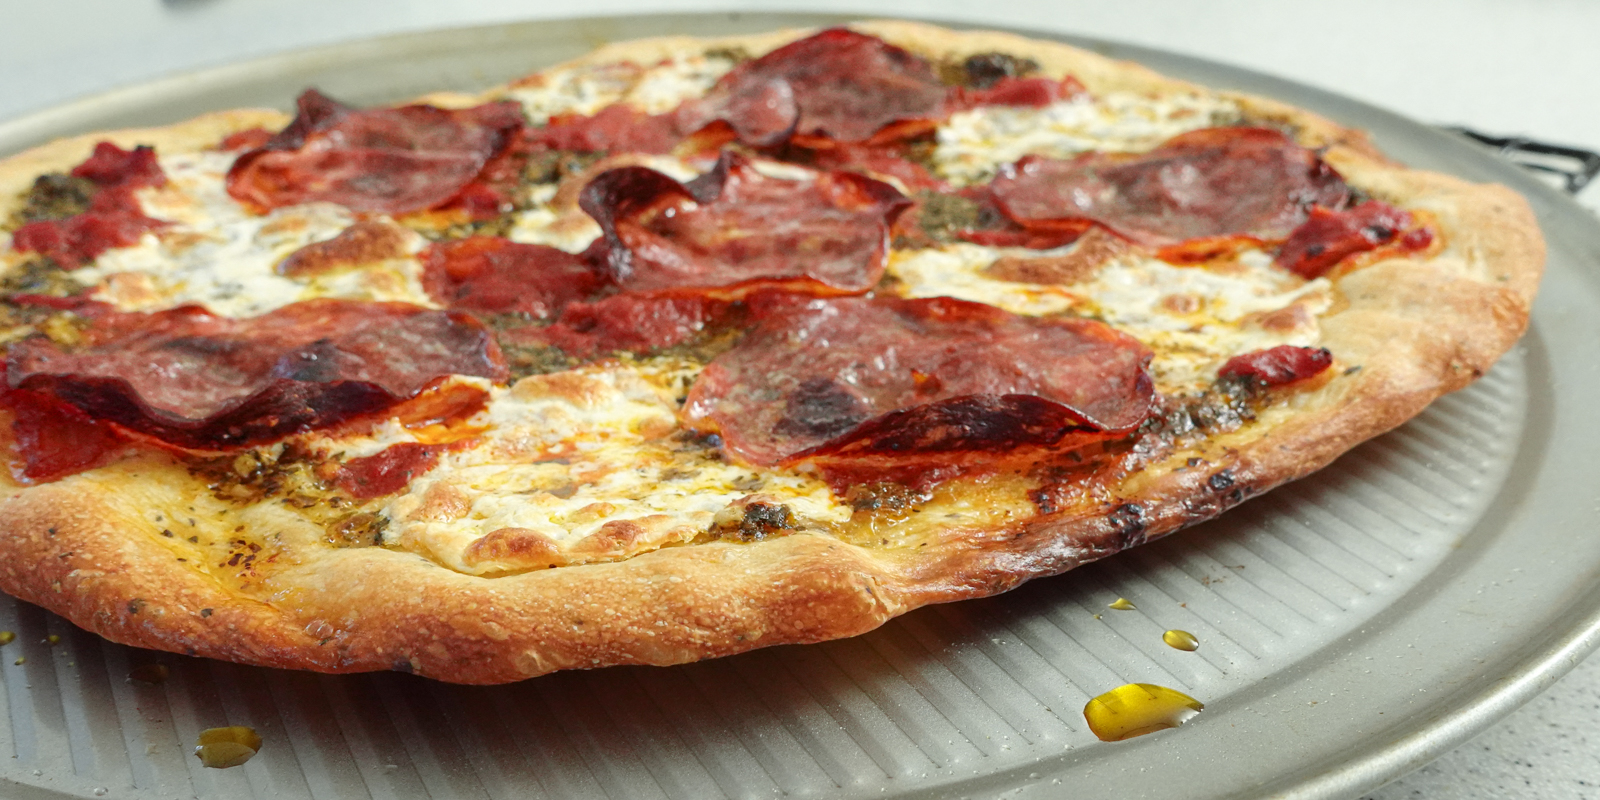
(1353, 625)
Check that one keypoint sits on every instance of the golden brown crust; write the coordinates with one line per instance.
(96, 548)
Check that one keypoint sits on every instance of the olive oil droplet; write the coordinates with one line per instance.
(1136, 709)
(1122, 604)
(149, 673)
(1181, 640)
(220, 748)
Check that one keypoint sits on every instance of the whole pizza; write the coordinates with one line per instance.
(690, 347)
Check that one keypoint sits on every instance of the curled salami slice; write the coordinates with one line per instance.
(491, 275)
(836, 86)
(887, 381)
(381, 160)
(1210, 182)
(733, 230)
(204, 382)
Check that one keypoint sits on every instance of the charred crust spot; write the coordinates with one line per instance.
(1044, 499)
(205, 612)
(1220, 481)
(756, 522)
(135, 605)
(1128, 523)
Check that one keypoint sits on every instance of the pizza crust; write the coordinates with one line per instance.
(95, 548)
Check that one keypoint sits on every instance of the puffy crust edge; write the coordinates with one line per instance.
(1417, 329)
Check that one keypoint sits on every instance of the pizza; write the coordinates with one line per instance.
(689, 347)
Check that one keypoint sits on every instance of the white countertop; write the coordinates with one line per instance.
(1501, 66)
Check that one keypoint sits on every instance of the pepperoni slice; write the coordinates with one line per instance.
(204, 382)
(114, 217)
(380, 160)
(887, 381)
(491, 275)
(734, 230)
(835, 86)
(1210, 182)
(1328, 237)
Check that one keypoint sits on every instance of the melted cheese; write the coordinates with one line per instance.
(1194, 318)
(972, 145)
(566, 455)
(218, 255)
(585, 90)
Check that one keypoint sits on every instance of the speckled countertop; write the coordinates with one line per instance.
(1502, 66)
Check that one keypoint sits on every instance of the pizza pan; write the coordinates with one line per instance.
(1353, 625)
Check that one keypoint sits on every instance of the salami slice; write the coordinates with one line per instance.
(836, 86)
(492, 275)
(734, 230)
(204, 382)
(380, 160)
(1209, 182)
(887, 381)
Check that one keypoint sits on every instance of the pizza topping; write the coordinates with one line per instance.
(630, 322)
(735, 230)
(890, 379)
(490, 275)
(1213, 182)
(835, 86)
(1017, 92)
(365, 242)
(1073, 266)
(204, 382)
(380, 160)
(617, 128)
(55, 439)
(973, 145)
(111, 167)
(1279, 365)
(111, 216)
(386, 472)
(1328, 237)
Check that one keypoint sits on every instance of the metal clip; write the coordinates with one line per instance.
(1576, 166)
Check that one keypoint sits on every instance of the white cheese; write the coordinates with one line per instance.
(655, 89)
(972, 145)
(1194, 318)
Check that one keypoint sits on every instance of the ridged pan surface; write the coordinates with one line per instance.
(1352, 625)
